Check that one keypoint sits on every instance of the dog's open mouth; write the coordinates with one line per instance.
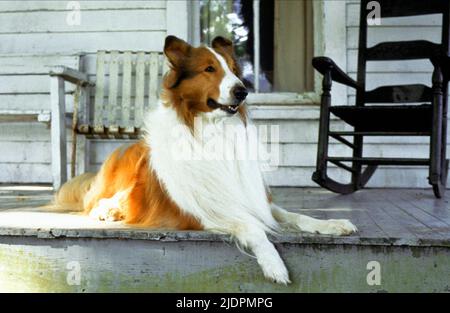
(231, 109)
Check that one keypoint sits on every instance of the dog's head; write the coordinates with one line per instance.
(203, 79)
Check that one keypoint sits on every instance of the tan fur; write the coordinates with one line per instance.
(70, 196)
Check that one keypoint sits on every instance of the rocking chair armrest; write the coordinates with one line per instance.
(71, 75)
(325, 64)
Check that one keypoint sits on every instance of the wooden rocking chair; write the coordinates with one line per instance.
(428, 119)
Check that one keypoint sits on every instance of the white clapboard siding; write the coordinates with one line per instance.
(35, 36)
(91, 21)
(43, 43)
(54, 5)
(34, 64)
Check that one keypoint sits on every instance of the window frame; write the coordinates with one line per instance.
(329, 38)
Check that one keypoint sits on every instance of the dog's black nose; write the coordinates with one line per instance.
(240, 93)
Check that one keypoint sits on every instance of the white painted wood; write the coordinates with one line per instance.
(177, 19)
(424, 20)
(333, 41)
(83, 146)
(31, 102)
(99, 21)
(88, 42)
(38, 5)
(58, 132)
(140, 88)
(111, 104)
(392, 33)
(35, 64)
(17, 84)
(126, 90)
(99, 92)
(256, 44)
(153, 80)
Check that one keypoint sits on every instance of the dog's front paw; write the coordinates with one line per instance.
(106, 211)
(275, 270)
(339, 227)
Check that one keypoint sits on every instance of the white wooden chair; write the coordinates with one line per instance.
(126, 84)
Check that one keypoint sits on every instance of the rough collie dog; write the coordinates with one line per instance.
(164, 181)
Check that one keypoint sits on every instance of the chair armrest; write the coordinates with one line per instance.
(324, 64)
(71, 75)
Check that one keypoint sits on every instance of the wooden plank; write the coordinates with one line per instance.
(58, 132)
(26, 84)
(24, 173)
(112, 107)
(140, 88)
(153, 80)
(88, 42)
(99, 105)
(35, 64)
(390, 226)
(98, 21)
(89, 62)
(31, 102)
(74, 76)
(436, 225)
(24, 6)
(422, 200)
(411, 223)
(126, 94)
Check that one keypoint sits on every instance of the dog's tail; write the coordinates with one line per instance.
(69, 197)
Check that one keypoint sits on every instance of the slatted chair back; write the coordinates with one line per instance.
(400, 50)
(126, 84)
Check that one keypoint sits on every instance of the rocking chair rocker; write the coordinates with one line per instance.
(396, 119)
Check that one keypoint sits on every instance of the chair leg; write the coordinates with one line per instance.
(357, 168)
(58, 132)
(320, 176)
(437, 170)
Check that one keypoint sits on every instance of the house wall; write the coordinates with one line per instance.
(34, 35)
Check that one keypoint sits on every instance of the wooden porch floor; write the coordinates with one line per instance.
(406, 231)
(383, 216)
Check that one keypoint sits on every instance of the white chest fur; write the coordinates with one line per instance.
(212, 174)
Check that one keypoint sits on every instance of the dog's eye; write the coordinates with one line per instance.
(210, 69)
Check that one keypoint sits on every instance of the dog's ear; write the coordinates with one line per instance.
(176, 50)
(222, 43)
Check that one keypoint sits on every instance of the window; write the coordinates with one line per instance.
(273, 40)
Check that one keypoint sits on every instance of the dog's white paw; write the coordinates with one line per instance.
(339, 227)
(275, 270)
(107, 211)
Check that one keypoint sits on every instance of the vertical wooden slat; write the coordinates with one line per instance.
(140, 87)
(58, 131)
(112, 123)
(126, 94)
(83, 143)
(256, 43)
(99, 93)
(153, 79)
